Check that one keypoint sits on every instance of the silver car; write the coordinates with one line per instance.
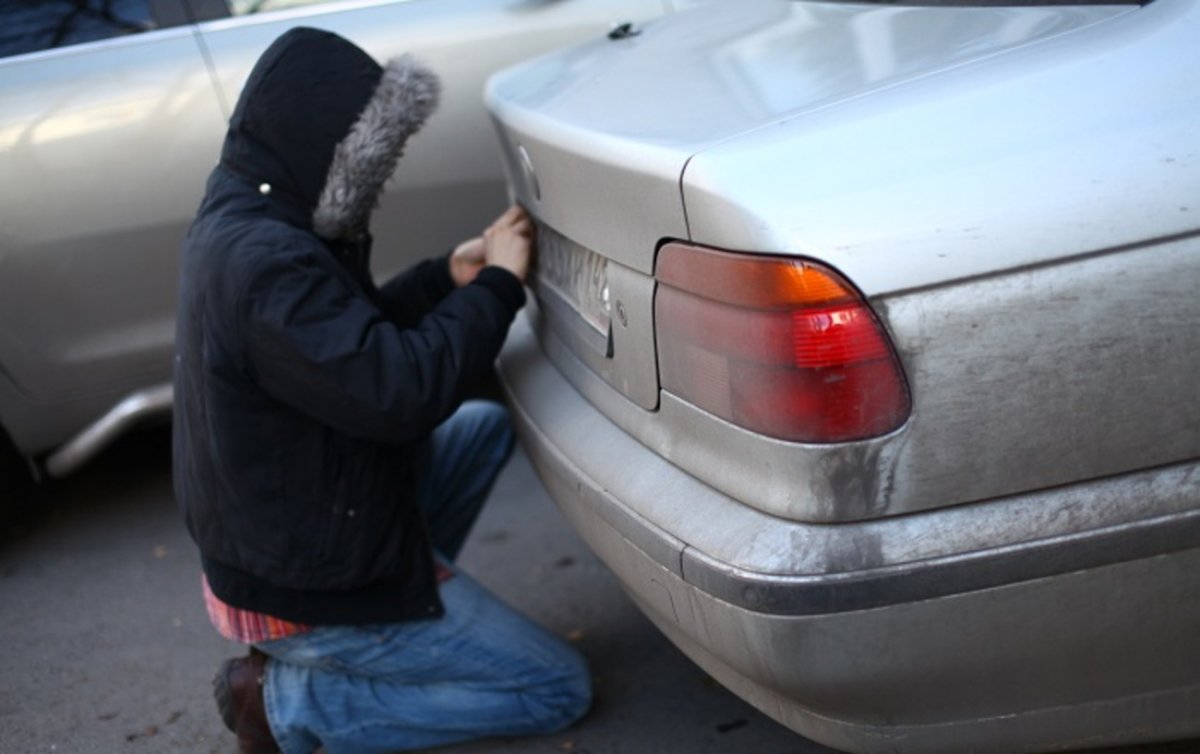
(112, 115)
(865, 353)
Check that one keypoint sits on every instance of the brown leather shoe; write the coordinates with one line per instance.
(238, 689)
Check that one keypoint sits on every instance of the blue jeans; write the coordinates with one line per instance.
(480, 670)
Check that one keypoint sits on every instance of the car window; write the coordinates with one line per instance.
(33, 25)
(249, 7)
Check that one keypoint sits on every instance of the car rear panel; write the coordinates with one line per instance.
(1019, 316)
(1011, 569)
(1000, 626)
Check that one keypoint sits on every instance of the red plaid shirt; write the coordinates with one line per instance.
(246, 626)
(249, 627)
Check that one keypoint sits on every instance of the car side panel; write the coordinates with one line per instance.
(1037, 378)
(100, 149)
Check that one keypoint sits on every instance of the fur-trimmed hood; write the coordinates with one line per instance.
(321, 126)
(363, 161)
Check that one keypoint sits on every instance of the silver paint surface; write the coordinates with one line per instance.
(870, 138)
(1014, 192)
(905, 673)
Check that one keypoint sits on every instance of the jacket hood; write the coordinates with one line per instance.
(322, 125)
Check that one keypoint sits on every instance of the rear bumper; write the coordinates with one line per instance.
(1071, 617)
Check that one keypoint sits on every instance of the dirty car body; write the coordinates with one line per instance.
(111, 117)
(994, 543)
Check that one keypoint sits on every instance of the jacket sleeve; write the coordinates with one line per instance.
(410, 294)
(315, 341)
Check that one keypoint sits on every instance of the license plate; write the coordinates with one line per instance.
(576, 274)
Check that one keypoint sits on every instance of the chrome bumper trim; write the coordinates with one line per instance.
(913, 582)
(122, 417)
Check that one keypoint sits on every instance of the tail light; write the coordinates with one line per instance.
(780, 346)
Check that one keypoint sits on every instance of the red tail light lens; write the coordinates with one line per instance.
(779, 346)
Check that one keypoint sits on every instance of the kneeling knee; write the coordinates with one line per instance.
(565, 702)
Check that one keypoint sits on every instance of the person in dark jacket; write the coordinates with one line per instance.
(325, 461)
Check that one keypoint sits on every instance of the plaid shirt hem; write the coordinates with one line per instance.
(246, 626)
(249, 627)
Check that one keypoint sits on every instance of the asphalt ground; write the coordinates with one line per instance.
(105, 645)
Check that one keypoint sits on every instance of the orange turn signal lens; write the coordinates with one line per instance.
(754, 281)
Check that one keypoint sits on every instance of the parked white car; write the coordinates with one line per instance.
(865, 353)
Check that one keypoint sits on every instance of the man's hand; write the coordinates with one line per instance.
(508, 242)
(467, 260)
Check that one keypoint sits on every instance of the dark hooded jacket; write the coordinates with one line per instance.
(302, 391)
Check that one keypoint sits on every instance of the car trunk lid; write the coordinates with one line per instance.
(596, 139)
(616, 148)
